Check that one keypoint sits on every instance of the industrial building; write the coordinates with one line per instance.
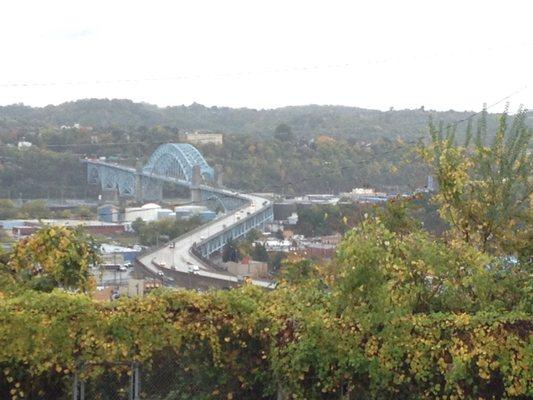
(189, 211)
(108, 213)
(248, 268)
(365, 195)
(24, 228)
(126, 254)
(148, 212)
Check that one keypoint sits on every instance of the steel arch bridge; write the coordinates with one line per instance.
(177, 160)
(179, 164)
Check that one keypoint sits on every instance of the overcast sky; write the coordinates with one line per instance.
(264, 54)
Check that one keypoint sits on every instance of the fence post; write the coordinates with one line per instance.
(78, 388)
(135, 382)
(345, 391)
(279, 394)
(75, 387)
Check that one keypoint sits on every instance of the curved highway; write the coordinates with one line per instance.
(177, 255)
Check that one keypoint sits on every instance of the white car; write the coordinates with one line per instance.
(194, 269)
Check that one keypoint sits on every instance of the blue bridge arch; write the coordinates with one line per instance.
(177, 160)
(174, 163)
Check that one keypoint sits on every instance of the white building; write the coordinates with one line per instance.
(292, 219)
(366, 195)
(204, 138)
(148, 212)
(23, 145)
(278, 245)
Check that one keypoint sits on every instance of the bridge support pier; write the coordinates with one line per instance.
(196, 193)
(138, 183)
(110, 195)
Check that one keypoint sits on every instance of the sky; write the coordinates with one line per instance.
(266, 54)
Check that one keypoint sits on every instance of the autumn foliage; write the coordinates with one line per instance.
(398, 314)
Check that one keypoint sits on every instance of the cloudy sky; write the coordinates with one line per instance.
(264, 54)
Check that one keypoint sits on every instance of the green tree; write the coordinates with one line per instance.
(85, 212)
(485, 185)
(230, 252)
(283, 132)
(276, 260)
(7, 209)
(395, 216)
(35, 209)
(259, 252)
(155, 232)
(137, 225)
(382, 274)
(54, 257)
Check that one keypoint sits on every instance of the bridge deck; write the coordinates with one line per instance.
(176, 257)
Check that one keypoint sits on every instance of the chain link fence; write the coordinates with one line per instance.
(110, 381)
(159, 379)
(162, 378)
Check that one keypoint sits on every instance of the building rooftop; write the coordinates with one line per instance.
(61, 222)
(107, 248)
(150, 206)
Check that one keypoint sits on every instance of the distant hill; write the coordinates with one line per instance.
(308, 120)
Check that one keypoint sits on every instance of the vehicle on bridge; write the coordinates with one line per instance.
(159, 264)
(183, 165)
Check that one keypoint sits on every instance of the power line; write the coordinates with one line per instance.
(239, 74)
(242, 74)
(455, 123)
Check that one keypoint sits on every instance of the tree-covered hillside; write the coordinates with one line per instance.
(304, 120)
(291, 150)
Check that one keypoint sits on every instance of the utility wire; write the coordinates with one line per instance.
(455, 123)
(241, 74)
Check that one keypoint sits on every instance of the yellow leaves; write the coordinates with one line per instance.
(59, 253)
(315, 349)
(462, 319)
